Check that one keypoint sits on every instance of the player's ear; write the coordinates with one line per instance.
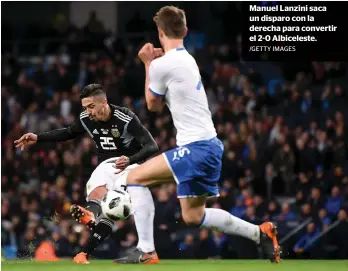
(185, 31)
(160, 32)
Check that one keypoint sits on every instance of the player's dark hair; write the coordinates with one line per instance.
(92, 90)
(172, 21)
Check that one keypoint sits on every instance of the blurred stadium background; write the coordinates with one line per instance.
(284, 126)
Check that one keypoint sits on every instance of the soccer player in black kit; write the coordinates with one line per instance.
(122, 143)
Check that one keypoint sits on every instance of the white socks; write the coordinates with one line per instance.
(227, 223)
(144, 212)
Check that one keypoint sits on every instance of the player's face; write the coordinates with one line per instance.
(95, 107)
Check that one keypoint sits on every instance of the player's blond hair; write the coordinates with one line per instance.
(172, 21)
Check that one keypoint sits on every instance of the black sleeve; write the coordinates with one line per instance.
(64, 134)
(143, 136)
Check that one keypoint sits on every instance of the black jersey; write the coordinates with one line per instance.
(114, 137)
(122, 134)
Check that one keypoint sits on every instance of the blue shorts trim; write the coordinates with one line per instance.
(197, 188)
(192, 196)
(170, 167)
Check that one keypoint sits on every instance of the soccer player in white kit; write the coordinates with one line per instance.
(195, 165)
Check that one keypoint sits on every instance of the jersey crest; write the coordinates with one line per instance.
(115, 132)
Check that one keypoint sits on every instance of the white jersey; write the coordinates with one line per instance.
(176, 76)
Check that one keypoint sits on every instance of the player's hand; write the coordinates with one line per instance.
(26, 140)
(148, 53)
(158, 52)
(122, 162)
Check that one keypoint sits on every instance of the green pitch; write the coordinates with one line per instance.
(181, 265)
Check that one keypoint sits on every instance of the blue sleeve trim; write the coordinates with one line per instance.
(199, 85)
(155, 93)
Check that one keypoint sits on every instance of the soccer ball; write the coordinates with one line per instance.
(116, 205)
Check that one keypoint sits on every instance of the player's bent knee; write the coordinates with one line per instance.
(133, 179)
(98, 193)
(192, 218)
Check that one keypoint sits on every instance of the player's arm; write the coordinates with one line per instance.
(155, 88)
(143, 136)
(53, 136)
(63, 134)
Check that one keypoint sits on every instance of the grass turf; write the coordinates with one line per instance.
(181, 265)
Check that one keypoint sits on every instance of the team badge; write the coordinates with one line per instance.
(115, 132)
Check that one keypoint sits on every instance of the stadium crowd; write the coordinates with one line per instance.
(285, 154)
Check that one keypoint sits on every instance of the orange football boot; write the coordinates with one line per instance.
(269, 242)
(81, 258)
(83, 216)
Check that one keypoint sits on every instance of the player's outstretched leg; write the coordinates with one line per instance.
(265, 235)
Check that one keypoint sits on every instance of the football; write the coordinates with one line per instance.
(116, 205)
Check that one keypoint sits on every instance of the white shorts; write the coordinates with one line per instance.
(105, 174)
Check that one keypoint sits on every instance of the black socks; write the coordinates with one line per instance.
(94, 207)
(101, 231)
